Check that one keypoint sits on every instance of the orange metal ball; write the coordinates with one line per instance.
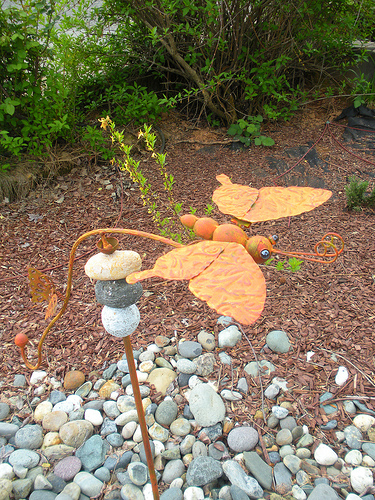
(205, 227)
(260, 248)
(188, 220)
(230, 233)
(21, 340)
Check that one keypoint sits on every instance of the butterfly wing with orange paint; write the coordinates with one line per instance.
(42, 288)
(269, 203)
(222, 274)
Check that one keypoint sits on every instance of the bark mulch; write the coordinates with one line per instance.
(326, 309)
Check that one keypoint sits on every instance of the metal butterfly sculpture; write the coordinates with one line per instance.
(223, 268)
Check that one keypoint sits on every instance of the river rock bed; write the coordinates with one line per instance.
(75, 439)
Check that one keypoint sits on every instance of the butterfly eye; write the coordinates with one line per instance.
(265, 254)
(275, 238)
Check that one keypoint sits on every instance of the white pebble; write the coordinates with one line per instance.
(37, 377)
(6, 471)
(367, 461)
(353, 457)
(128, 430)
(324, 455)
(39, 391)
(114, 395)
(280, 412)
(154, 348)
(193, 381)
(193, 493)
(159, 447)
(342, 375)
(353, 496)
(56, 384)
(363, 422)
(41, 410)
(93, 416)
(146, 356)
(66, 406)
(146, 366)
(309, 355)
(76, 400)
(137, 436)
(142, 376)
(147, 492)
(177, 483)
(298, 493)
(361, 478)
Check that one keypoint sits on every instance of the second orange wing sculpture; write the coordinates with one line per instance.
(222, 274)
(268, 203)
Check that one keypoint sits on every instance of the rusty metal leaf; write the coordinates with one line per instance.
(267, 203)
(52, 306)
(222, 274)
(233, 285)
(41, 287)
(234, 199)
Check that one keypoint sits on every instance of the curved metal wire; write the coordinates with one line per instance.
(327, 255)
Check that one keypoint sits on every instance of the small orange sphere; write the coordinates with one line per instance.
(205, 227)
(188, 220)
(230, 233)
(21, 340)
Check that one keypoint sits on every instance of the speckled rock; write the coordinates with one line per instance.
(117, 293)
(67, 468)
(203, 470)
(75, 433)
(206, 405)
(120, 322)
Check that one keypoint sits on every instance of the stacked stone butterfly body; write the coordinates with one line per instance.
(120, 315)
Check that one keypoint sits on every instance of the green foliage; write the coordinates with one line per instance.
(356, 195)
(163, 211)
(125, 103)
(248, 131)
(293, 265)
(32, 111)
(237, 64)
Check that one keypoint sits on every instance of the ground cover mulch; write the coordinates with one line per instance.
(326, 309)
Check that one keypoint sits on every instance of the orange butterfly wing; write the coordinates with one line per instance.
(234, 199)
(276, 202)
(268, 203)
(222, 274)
(42, 289)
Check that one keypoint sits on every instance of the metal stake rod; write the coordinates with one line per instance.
(141, 415)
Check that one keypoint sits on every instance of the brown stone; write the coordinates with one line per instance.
(73, 380)
(106, 389)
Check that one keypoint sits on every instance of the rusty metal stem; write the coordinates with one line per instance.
(141, 416)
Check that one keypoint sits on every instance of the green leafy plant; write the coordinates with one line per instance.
(292, 265)
(163, 211)
(248, 131)
(357, 196)
(32, 96)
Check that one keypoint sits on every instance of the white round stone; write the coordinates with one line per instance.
(115, 266)
(159, 447)
(75, 400)
(146, 366)
(363, 422)
(128, 430)
(41, 410)
(298, 493)
(367, 461)
(324, 455)
(353, 496)
(361, 478)
(137, 436)
(341, 375)
(120, 322)
(147, 492)
(6, 471)
(193, 493)
(142, 376)
(353, 457)
(93, 416)
(37, 377)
